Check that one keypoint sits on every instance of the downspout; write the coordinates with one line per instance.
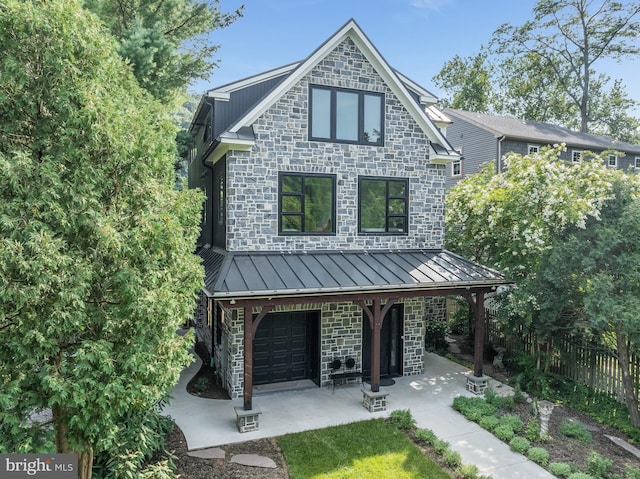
(499, 154)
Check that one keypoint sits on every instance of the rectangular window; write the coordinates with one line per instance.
(307, 203)
(534, 149)
(637, 164)
(456, 168)
(612, 161)
(383, 205)
(346, 116)
(576, 156)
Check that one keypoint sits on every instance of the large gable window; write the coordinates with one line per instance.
(383, 205)
(307, 204)
(346, 116)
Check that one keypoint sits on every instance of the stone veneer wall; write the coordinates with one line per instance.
(341, 337)
(436, 307)
(282, 145)
(203, 328)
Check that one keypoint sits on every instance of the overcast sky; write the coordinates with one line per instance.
(414, 36)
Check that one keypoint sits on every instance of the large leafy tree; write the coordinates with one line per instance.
(599, 270)
(166, 41)
(96, 270)
(569, 37)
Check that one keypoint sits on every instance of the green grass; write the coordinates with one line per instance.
(362, 450)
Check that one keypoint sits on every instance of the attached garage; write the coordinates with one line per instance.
(285, 348)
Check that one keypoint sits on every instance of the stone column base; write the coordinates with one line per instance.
(374, 402)
(477, 385)
(247, 421)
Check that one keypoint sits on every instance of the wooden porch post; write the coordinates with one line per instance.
(248, 358)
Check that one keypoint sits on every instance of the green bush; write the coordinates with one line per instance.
(435, 334)
(402, 419)
(440, 446)
(598, 466)
(532, 432)
(580, 475)
(504, 433)
(575, 430)
(519, 444)
(426, 435)
(561, 469)
(632, 473)
(518, 395)
(505, 403)
(539, 455)
(514, 422)
(452, 458)
(489, 422)
(473, 408)
(467, 471)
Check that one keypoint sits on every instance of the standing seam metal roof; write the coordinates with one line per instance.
(246, 274)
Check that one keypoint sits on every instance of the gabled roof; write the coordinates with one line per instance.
(535, 131)
(296, 71)
(278, 274)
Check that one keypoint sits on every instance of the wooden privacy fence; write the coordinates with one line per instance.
(573, 358)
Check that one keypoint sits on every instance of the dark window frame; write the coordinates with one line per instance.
(301, 195)
(388, 197)
(361, 118)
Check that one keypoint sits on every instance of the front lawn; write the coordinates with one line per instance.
(369, 449)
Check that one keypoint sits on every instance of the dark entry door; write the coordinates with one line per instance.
(285, 348)
(390, 343)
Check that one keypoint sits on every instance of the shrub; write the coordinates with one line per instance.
(514, 422)
(576, 430)
(440, 446)
(561, 469)
(467, 471)
(580, 475)
(201, 384)
(426, 435)
(632, 473)
(598, 466)
(519, 444)
(539, 455)
(402, 419)
(435, 335)
(532, 431)
(504, 433)
(452, 458)
(518, 395)
(474, 408)
(489, 422)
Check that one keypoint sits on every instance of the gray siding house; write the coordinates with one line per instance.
(482, 138)
(323, 229)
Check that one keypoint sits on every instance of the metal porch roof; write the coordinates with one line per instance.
(272, 274)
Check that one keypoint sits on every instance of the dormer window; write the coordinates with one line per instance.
(346, 116)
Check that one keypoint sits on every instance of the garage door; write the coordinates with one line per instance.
(285, 347)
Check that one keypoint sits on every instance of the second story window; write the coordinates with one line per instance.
(306, 204)
(456, 168)
(637, 163)
(383, 205)
(346, 116)
(612, 161)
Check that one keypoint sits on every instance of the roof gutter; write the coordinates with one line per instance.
(499, 154)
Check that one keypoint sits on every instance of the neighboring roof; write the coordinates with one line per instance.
(399, 85)
(546, 133)
(276, 274)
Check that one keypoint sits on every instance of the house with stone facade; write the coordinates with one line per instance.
(482, 138)
(323, 228)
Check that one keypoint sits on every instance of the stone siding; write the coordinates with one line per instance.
(282, 146)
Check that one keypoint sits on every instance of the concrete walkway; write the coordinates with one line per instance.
(209, 423)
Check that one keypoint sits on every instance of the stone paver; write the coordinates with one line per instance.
(208, 453)
(625, 445)
(254, 460)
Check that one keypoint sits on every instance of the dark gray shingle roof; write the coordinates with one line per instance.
(539, 132)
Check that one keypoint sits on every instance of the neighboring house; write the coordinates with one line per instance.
(482, 138)
(323, 228)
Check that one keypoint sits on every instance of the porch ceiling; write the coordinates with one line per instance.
(239, 275)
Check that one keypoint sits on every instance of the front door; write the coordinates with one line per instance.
(285, 348)
(390, 343)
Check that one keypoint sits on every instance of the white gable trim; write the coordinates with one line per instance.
(252, 80)
(349, 30)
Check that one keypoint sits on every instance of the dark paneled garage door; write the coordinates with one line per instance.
(285, 347)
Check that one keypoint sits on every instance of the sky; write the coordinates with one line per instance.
(415, 37)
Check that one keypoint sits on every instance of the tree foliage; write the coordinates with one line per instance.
(166, 41)
(96, 270)
(569, 37)
(566, 234)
